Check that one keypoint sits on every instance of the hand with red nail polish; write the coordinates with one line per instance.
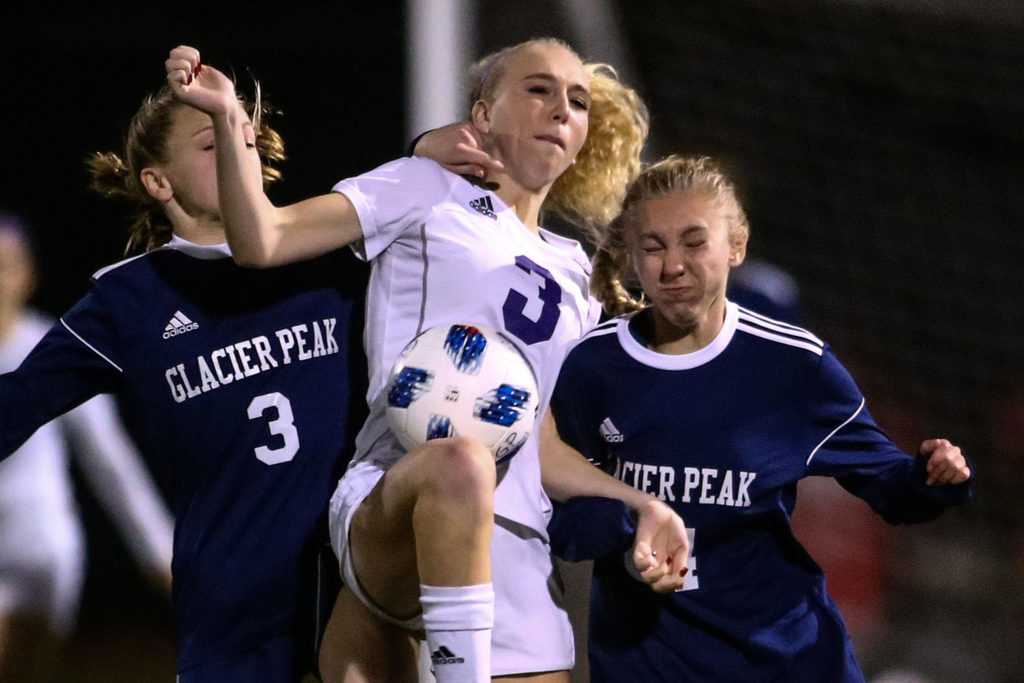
(213, 94)
(660, 532)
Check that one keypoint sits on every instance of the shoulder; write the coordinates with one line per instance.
(398, 193)
(778, 335)
(137, 266)
(415, 170)
(600, 339)
(133, 283)
(571, 249)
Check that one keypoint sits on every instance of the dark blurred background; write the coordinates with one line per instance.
(879, 149)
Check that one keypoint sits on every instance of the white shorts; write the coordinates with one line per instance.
(531, 627)
(353, 488)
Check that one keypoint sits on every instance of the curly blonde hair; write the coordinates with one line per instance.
(612, 280)
(117, 176)
(589, 192)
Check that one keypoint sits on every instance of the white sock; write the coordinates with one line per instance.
(458, 622)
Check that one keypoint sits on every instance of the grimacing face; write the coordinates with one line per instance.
(681, 250)
(538, 120)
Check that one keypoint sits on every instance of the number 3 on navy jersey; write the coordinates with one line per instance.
(282, 425)
(530, 325)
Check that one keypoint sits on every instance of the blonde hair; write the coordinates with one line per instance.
(590, 191)
(668, 176)
(117, 176)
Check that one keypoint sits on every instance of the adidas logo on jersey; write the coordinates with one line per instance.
(179, 324)
(609, 432)
(443, 655)
(484, 206)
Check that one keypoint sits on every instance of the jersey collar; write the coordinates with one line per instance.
(681, 361)
(201, 251)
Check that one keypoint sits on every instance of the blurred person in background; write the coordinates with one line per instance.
(42, 546)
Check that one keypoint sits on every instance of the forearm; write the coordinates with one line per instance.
(566, 474)
(248, 215)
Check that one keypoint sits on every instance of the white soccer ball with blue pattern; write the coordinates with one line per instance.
(465, 380)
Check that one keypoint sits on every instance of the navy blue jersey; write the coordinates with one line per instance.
(723, 435)
(239, 382)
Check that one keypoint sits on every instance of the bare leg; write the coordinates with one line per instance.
(360, 647)
(428, 521)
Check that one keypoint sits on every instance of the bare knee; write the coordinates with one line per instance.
(459, 470)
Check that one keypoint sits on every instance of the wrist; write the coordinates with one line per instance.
(640, 500)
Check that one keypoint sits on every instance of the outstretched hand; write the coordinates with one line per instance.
(197, 84)
(459, 148)
(946, 463)
(662, 547)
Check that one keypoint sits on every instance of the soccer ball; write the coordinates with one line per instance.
(463, 380)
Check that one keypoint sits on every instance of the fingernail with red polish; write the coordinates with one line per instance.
(669, 560)
(682, 572)
(199, 67)
(188, 81)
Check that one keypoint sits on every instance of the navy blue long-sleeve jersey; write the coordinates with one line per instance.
(723, 435)
(240, 383)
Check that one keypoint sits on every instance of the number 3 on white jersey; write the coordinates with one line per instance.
(533, 318)
(283, 425)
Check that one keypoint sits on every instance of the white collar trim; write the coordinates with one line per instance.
(201, 251)
(679, 361)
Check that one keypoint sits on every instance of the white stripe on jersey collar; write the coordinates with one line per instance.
(211, 251)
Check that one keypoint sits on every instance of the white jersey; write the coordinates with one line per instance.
(39, 528)
(444, 250)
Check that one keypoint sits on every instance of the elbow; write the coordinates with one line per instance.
(249, 261)
(249, 256)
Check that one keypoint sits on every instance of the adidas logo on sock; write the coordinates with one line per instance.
(609, 432)
(443, 655)
(484, 206)
(179, 324)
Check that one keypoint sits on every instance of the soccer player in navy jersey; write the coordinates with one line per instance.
(718, 411)
(240, 384)
(436, 538)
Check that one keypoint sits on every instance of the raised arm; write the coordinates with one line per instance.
(259, 233)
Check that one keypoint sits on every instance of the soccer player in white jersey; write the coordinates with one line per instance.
(728, 410)
(42, 543)
(413, 531)
(239, 382)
